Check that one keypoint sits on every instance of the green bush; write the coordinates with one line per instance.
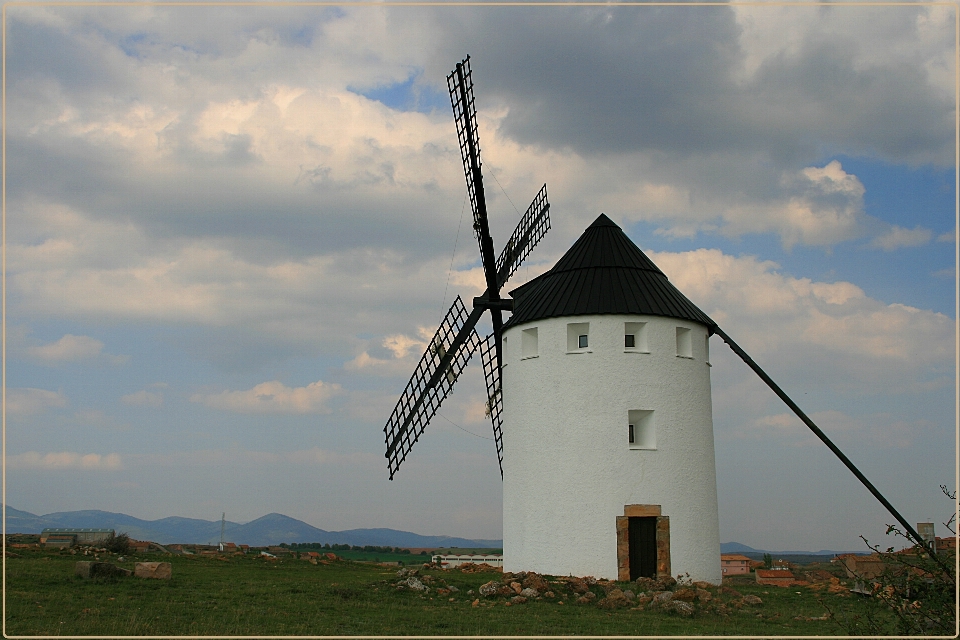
(119, 544)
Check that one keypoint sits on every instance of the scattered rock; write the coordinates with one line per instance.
(549, 594)
(578, 585)
(414, 583)
(517, 587)
(647, 584)
(406, 571)
(99, 569)
(586, 598)
(661, 598)
(518, 600)
(729, 591)
(686, 594)
(666, 582)
(752, 599)
(453, 589)
(685, 609)
(469, 567)
(475, 603)
(629, 595)
(614, 600)
(536, 581)
(528, 592)
(443, 592)
(490, 588)
(156, 570)
(703, 595)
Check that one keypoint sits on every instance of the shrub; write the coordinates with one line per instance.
(119, 544)
(918, 590)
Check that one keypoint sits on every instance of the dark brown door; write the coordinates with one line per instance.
(643, 548)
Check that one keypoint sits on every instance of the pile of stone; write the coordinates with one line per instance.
(409, 579)
(153, 570)
(480, 567)
(664, 594)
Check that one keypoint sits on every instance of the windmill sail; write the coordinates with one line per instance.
(532, 227)
(456, 339)
(440, 366)
(491, 374)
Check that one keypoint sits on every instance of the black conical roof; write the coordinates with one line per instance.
(603, 272)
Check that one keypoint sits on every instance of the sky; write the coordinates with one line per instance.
(231, 230)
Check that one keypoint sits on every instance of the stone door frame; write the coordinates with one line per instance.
(623, 538)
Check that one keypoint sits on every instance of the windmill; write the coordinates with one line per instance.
(456, 340)
(608, 374)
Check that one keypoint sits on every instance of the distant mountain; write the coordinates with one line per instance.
(736, 547)
(271, 529)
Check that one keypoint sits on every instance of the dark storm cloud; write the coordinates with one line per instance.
(628, 79)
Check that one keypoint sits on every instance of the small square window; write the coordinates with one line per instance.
(641, 432)
(528, 344)
(635, 337)
(578, 337)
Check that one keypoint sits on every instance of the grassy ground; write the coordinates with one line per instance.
(256, 596)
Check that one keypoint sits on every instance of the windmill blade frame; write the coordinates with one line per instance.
(530, 230)
(439, 368)
(492, 376)
(446, 357)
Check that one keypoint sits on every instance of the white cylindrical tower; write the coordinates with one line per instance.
(608, 465)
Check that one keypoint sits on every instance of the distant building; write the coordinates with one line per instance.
(732, 564)
(860, 566)
(65, 537)
(451, 561)
(775, 577)
(946, 544)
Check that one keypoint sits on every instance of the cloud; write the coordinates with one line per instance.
(883, 430)
(821, 206)
(273, 397)
(898, 237)
(65, 460)
(776, 315)
(27, 401)
(69, 348)
(313, 456)
(948, 236)
(143, 398)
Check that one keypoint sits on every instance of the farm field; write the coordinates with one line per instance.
(249, 595)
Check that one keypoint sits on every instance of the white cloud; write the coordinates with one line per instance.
(948, 236)
(64, 460)
(69, 348)
(143, 398)
(273, 397)
(313, 456)
(897, 237)
(786, 316)
(878, 429)
(27, 401)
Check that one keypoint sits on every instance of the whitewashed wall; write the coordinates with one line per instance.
(568, 468)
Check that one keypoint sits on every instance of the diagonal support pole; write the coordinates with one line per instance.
(823, 437)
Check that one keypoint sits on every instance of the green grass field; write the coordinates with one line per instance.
(254, 596)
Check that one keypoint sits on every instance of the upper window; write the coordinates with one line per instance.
(641, 432)
(578, 337)
(528, 344)
(684, 344)
(635, 337)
